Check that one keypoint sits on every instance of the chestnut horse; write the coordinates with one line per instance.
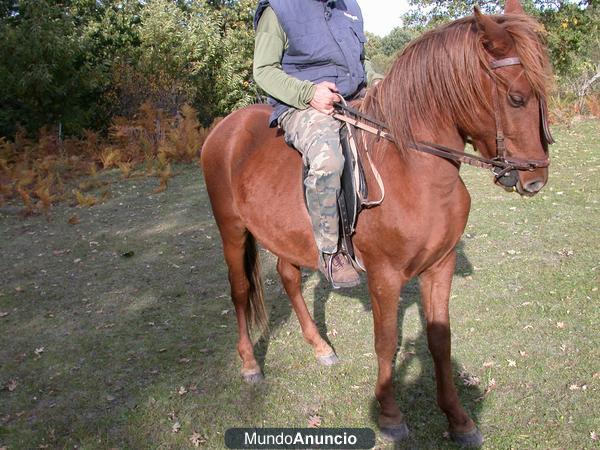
(439, 90)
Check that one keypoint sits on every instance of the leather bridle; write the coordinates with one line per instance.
(501, 165)
(501, 150)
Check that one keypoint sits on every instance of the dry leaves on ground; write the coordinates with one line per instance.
(196, 439)
(491, 386)
(468, 379)
(314, 421)
(11, 385)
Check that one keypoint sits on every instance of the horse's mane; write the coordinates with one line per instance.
(436, 80)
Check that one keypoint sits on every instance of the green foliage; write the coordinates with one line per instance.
(237, 47)
(7, 7)
(176, 49)
(572, 33)
(383, 51)
(81, 62)
(44, 77)
(573, 38)
(426, 13)
(396, 40)
(430, 13)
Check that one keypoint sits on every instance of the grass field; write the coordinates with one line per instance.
(118, 331)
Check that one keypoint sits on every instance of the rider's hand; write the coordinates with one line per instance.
(325, 95)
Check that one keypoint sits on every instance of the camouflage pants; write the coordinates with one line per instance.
(317, 137)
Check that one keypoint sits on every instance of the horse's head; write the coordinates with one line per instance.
(513, 126)
(481, 78)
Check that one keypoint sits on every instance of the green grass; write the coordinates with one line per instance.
(122, 334)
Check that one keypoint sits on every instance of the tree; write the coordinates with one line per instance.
(427, 13)
(187, 52)
(81, 62)
(571, 30)
(8, 8)
(383, 51)
(234, 67)
(43, 75)
(573, 37)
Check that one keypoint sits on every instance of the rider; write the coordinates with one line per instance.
(308, 53)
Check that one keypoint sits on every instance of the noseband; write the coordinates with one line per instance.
(502, 166)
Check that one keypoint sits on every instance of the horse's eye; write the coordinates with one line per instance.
(516, 100)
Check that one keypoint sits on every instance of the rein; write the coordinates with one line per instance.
(501, 165)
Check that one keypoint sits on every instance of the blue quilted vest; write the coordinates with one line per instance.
(326, 43)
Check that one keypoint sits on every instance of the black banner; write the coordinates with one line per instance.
(300, 438)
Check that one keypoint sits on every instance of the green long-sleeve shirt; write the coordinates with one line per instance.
(269, 46)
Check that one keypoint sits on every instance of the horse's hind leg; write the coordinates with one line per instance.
(292, 282)
(435, 293)
(235, 243)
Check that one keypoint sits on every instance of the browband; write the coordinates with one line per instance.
(497, 63)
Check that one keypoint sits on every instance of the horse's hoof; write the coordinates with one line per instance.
(328, 360)
(397, 433)
(253, 377)
(470, 439)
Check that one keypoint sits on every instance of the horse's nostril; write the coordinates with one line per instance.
(534, 186)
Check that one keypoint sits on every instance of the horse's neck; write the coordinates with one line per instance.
(447, 137)
(417, 168)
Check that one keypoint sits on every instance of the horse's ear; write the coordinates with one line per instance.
(513, 7)
(494, 37)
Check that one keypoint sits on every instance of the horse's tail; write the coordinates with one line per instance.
(255, 308)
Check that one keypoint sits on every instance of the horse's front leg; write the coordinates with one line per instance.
(385, 290)
(435, 293)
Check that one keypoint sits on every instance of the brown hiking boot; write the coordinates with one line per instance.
(339, 270)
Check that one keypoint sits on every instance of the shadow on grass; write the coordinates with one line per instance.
(279, 314)
(417, 398)
(120, 335)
